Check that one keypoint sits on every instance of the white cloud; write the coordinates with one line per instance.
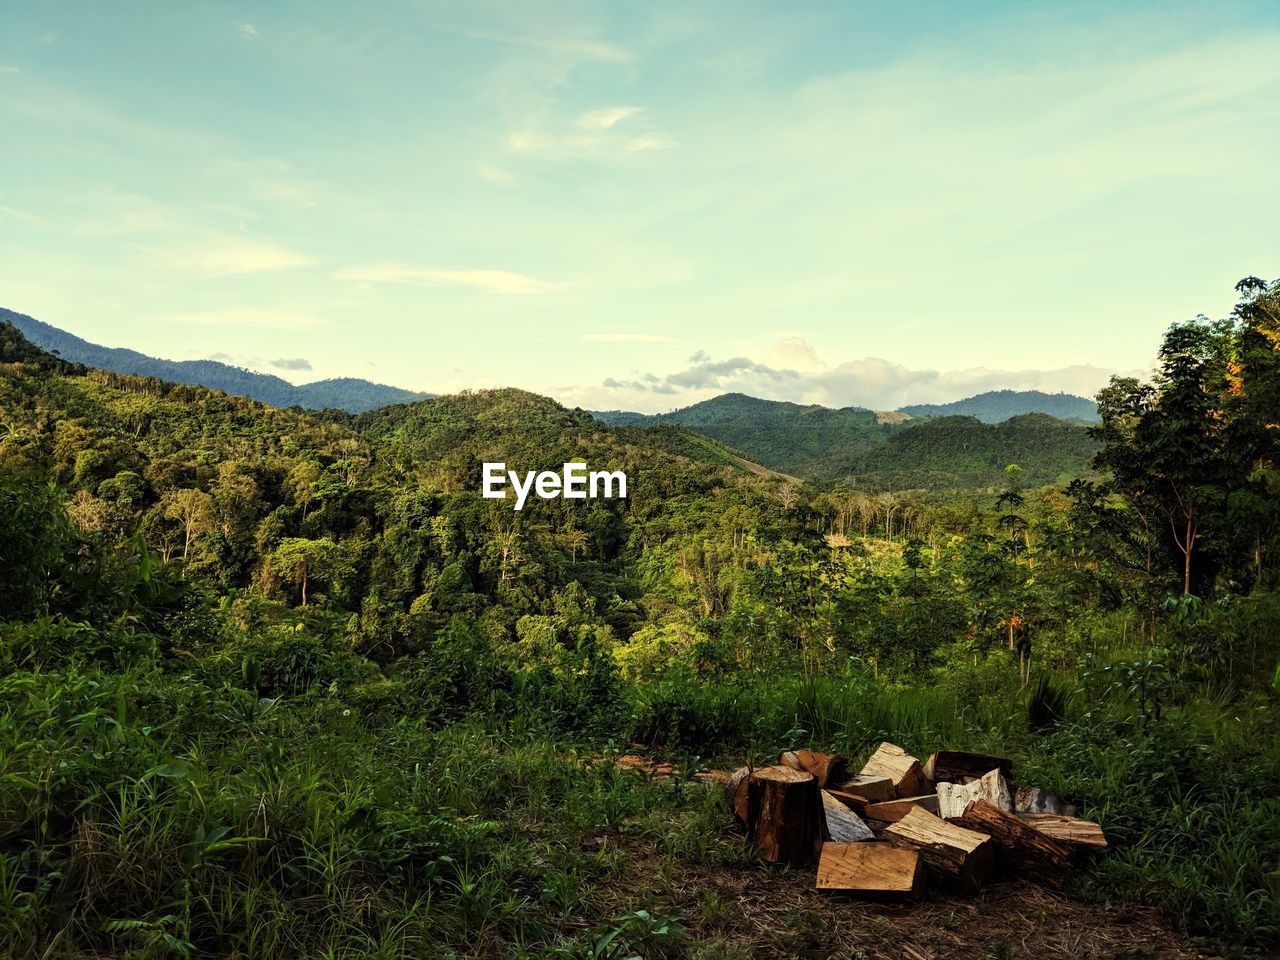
(221, 256)
(247, 30)
(606, 118)
(625, 338)
(491, 281)
(792, 370)
(10, 68)
(495, 175)
(650, 141)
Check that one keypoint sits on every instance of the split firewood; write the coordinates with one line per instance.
(784, 814)
(827, 767)
(735, 792)
(871, 869)
(991, 786)
(868, 788)
(900, 767)
(840, 824)
(949, 850)
(895, 810)
(955, 766)
(1035, 800)
(1082, 834)
(1022, 847)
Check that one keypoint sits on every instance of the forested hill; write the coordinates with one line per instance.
(959, 452)
(344, 393)
(784, 436)
(881, 451)
(997, 406)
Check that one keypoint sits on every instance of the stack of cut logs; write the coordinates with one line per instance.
(954, 819)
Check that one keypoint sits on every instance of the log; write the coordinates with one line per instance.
(949, 850)
(900, 767)
(784, 814)
(735, 793)
(1082, 834)
(871, 869)
(1023, 848)
(955, 766)
(840, 824)
(827, 767)
(868, 788)
(992, 787)
(1035, 800)
(895, 810)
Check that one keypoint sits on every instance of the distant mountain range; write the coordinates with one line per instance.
(965, 444)
(889, 449)
(345, 393)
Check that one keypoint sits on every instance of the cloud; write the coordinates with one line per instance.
(651, 141)
(10, 68)
(491, 281)
(594, 135)
(606, 118)
(792, 370)
(222, 256)
(625, 338)
(291, 363)
(495, 175)
(246, 30)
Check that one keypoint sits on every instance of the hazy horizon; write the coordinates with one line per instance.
(641, 208)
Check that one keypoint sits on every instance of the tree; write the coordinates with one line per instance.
(1164, 443)
(194, 510)
(300, 561)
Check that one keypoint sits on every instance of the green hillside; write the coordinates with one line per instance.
(951, 452)
(999, 405)
(795, 439)
(862, 447)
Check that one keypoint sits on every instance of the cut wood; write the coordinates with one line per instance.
(954, 797)
(827, 767)
(841, 824)
(784, 814)
(902, 769)
(735, 792)
(954, 766)
(947, 849)
(1071, 830)
(1023, 848)
(1035, 800)
(894, 810)
(870, 789)
(871, 869)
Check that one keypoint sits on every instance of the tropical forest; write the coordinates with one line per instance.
(280, 682)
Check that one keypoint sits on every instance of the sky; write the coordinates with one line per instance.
(641, 205)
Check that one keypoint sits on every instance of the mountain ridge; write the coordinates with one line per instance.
(352, 394)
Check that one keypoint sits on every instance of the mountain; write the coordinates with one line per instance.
(879, 450)
(999, 405)
(345, 393)
(796, 439)
(956, 452)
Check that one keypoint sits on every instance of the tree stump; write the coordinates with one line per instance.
(784, 814)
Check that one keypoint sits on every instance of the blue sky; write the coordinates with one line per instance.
(641, 205)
